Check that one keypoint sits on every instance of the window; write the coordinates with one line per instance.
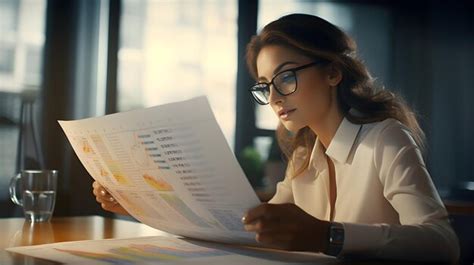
(175, 50)
(22, 26)
(21, 43)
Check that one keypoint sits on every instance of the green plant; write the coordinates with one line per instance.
(252, 165)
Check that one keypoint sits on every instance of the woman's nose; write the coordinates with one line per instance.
(273, 96)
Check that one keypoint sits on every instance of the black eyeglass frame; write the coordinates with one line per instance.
(257, 86)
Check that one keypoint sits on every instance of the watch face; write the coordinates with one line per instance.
(338, 236)
(336, 239)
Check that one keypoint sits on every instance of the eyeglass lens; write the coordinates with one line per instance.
(284, 83)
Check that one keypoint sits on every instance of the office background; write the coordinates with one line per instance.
(81, 58)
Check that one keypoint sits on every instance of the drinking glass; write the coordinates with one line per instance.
(37, 190)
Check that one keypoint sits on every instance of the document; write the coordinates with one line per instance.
(170, 167)
(168, 250)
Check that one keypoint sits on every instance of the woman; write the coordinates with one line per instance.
(356, 183)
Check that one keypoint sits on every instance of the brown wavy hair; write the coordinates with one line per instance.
(318, 39)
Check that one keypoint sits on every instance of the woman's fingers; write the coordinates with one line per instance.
(102, 195)
(115, 207)
(263, 211)
(106, 200)
(286, 226)
(270, 239)
(109, 206)
(267, 225)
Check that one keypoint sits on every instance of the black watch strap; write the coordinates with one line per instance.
(335, 239)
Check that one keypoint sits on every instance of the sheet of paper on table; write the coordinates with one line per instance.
(170, 167)
(169, 250)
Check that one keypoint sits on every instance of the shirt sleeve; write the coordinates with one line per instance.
(424, 232)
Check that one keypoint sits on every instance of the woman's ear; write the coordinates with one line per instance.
(334, 75)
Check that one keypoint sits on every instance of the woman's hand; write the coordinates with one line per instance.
(286, 226)
(106, 200)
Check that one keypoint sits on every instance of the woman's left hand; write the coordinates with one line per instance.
(286, 226)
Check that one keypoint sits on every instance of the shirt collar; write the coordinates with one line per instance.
(342, 142)
(317, 159)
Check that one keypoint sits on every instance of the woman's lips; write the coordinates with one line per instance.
(285, 113)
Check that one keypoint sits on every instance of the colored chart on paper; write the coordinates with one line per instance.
(135, 253)
(228, 219)
(117, 173)
(170, 167)
(182, 208)
(161, 250)
(157, 184)
(86, 147)
(113, 165)
(130, 201)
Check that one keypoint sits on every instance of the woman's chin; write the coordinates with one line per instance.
(292, 126)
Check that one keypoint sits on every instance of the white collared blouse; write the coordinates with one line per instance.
(386, 200)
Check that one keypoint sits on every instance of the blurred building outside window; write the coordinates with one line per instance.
(175, 50)
(22, 36)
(21, 43)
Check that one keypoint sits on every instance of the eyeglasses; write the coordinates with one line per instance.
(284, 82)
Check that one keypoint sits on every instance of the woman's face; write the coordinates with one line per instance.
(314, 96)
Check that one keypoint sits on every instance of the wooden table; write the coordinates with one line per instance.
(16, 232)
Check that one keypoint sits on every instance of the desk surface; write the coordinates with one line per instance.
(16, 232)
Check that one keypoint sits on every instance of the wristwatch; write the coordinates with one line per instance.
(335, 239)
